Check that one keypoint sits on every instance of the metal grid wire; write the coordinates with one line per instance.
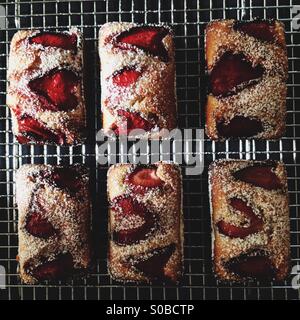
(188, 19)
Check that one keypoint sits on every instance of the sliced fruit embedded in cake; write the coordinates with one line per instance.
(152, 264)
(251, 265)
(239, 126)
(233, 72)
(39, 226)
(126, 77)
(262, 30)
(133, 221)
(129, 121)
(260, 176)
(233, 231)
(58, 40)
(66, 178)
(31, 129)
(146, 38)
(58, 88)
(55, 269)
(143, 178)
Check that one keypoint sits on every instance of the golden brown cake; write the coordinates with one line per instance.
(250, 219)
(45, 93)
(54, 221)
(145, 222)
(248, 68)
(137, 78)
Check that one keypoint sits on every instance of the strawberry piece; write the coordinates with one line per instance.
(66, 178)
(153, 263)
(126, 207)
(39, 226)
(259, 175)
(148, 39)
(255, 266)
(232, 231)
(233, 72)
(262, 30)
(55, 269)
(57, 40)
(125, 77)
(23, 140)
(239, 126)
(32, 130)
(143, 178)
(58, 89)
(130, 121)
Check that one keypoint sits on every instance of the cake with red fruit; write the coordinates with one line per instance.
(250, 220)
(54, 221)
(248, 67)
(45, 91)
(137, 78)
(145, 222)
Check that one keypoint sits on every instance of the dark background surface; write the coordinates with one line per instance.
(188, 20)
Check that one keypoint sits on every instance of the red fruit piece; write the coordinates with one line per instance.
(32, 130)
(256, 266)
(153, 263)
(57, 40)
(143, 178)
(54, 269)
(66, 178)
(130, 121)
(148, 39)
(262, 30)
(233, 72)
(125, 77)
(232, 231)
(239, 126)
(58, 88)
(134, 222)
(260, 176)
(39, 226)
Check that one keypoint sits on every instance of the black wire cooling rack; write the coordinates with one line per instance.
(188, 19)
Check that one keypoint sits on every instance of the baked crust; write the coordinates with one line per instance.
(68, 213)
(29, 61)
(264, 100)
(152, 95)
(271, 206)
(166, 204)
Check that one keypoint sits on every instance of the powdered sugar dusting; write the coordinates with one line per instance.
(153, 92)
(165, 204)
(265, 100)
(30, 61)
(270, 205)
(68, 213)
